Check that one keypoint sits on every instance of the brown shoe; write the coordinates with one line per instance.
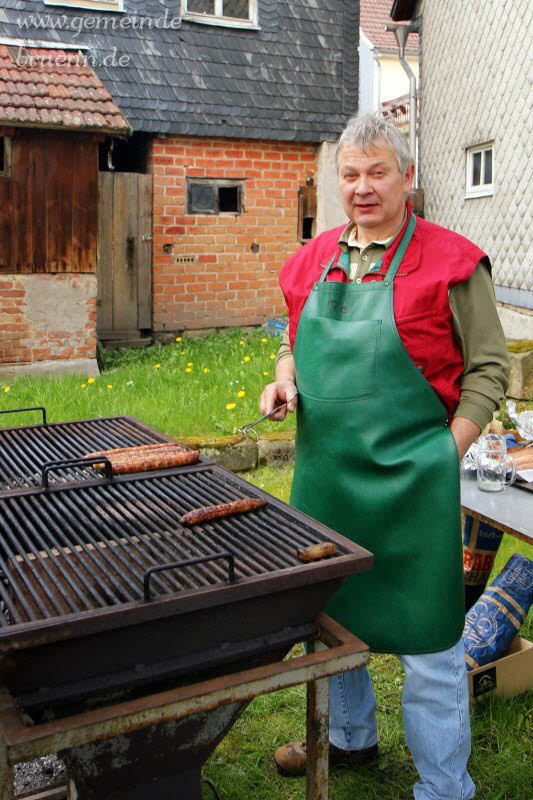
(291, 758)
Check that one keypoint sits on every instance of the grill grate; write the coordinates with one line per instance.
(24, 450)
(82, 548)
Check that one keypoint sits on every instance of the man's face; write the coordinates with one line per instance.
(373, 190)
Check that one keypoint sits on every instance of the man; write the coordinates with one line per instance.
(395, 359)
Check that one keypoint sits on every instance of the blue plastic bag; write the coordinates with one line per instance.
(493, 622)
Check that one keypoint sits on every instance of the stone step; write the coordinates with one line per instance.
(115, 344)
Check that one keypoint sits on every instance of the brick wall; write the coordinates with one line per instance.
(48, 317)
(228, 283)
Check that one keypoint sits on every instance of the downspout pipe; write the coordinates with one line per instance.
(401, 33)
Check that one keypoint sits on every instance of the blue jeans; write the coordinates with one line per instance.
(435, 716)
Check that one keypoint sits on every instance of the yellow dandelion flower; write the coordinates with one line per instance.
(265, 372)
(264, 340)
(242, 343)
(241, 393)
(7, 389)
(188, 369)
(83, 385)
(206, 370)
(90, 379)
(246, 358)
(178, 338)
(272, 356)
(189, 363)
(157, 366)
(230, 406)
(182, 352)
(109, 385)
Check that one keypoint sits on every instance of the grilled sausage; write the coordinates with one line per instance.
(204, 514)
(139, 455)
(137, 449)
(161, 460)
(524, 458)
(315, 552)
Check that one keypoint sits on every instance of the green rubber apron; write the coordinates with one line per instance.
(377, 462)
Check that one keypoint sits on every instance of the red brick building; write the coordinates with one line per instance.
(221, 269)
(233, 106)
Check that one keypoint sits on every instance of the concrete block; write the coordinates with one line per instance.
(521, 376)
(83, 366)
(275, 453)
(236, 458)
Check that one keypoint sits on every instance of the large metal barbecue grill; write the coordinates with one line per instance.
(103, 594)
(83, 609)
(26, 449)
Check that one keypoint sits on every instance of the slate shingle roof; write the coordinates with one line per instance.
(375, 14)
(52, 88)
(294, 79)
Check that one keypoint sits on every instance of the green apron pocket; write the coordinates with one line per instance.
(334, 373)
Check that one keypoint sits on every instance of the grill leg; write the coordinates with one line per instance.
(6, 774)
(317, 737)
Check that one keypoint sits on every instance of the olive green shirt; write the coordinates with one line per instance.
(476, 326)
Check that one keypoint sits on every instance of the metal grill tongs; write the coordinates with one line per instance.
(249, 429)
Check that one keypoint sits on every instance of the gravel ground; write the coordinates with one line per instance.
(36, 776)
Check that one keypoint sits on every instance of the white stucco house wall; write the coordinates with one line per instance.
(381, 76)
(476, 136)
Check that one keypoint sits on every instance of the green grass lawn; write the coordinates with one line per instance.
(196, 386)
(242, 766)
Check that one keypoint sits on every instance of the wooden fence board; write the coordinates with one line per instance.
(22, 228)
(85, 204)
(125, 246)
(144, 260)
(105, 265)
(6, 226)
(37, 204)
(57, 155)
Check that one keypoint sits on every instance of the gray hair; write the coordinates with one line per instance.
(364, 130)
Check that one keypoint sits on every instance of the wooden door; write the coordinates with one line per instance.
(124, 265)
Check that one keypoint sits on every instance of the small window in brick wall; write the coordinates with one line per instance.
(214, 197)
(306, 212)
(5, 157)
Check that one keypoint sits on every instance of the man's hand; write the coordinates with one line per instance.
(276, 394)
(464, 432)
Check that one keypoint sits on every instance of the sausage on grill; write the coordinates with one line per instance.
(315, 552)
(161, 460)
(137, 449)
(204, 514)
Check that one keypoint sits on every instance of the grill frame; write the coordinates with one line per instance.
(95, 620)
(63, 658)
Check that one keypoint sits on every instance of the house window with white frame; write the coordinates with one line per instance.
(229, 13)
(480, 170)
(96, 5)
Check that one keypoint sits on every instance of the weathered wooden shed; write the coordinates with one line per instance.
(54, 112)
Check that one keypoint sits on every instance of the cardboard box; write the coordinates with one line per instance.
(509, 675)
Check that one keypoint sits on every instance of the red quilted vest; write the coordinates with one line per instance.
(436, 259)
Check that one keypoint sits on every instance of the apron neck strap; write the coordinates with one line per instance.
(400, 251)
(326, 270)
(343, 262)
